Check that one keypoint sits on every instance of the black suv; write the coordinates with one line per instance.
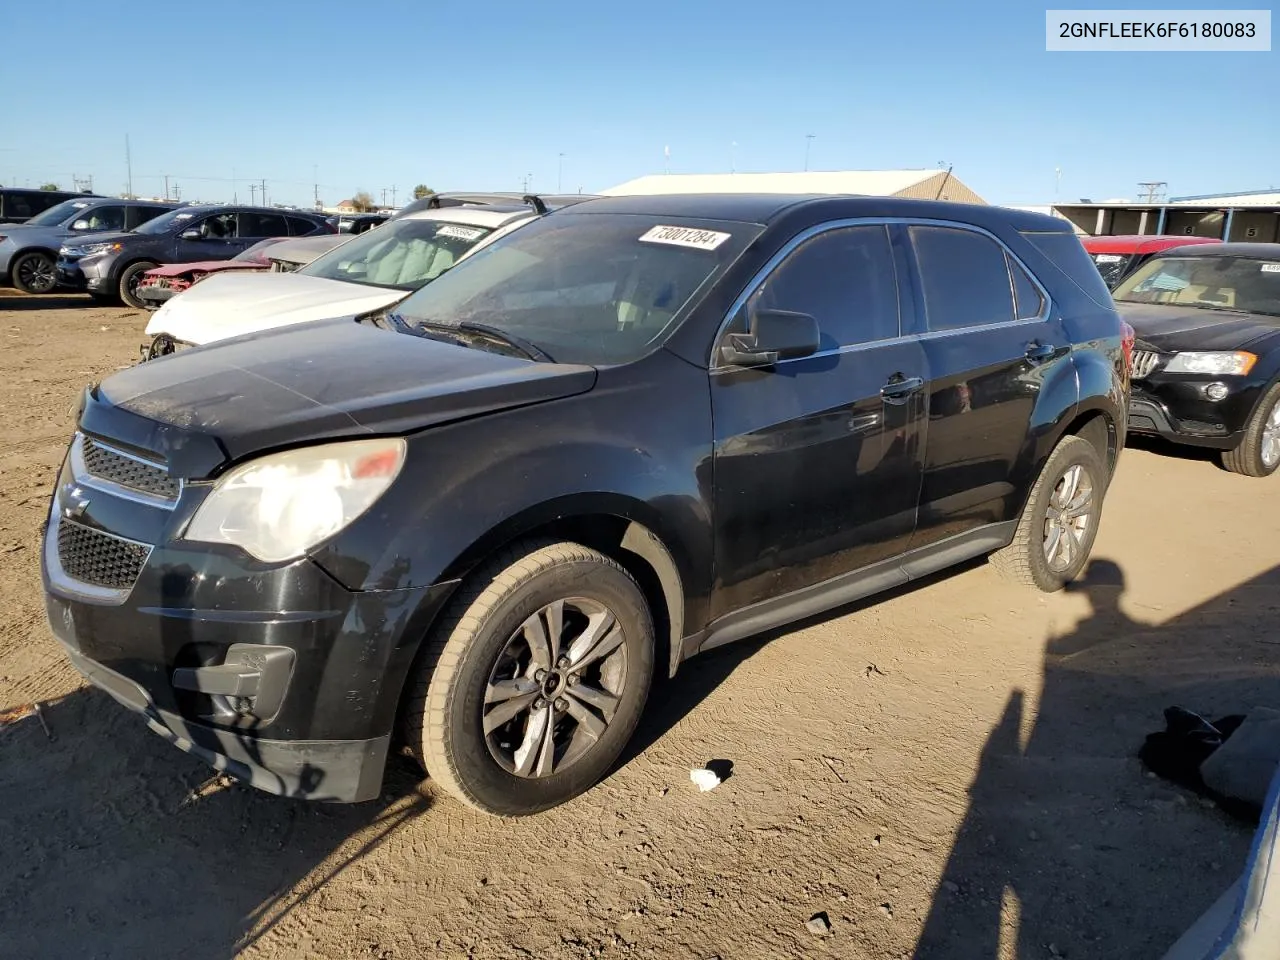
(630, 431)
(110, 265)
(20, 204)
(1206, 365)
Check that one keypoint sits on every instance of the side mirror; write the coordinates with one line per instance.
(192, 234)
(80, 225)
(774, 335)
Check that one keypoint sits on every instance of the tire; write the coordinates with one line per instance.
(34, 272)
(129, 278)
(510, 770)
(1047, 553)
(1258, 454)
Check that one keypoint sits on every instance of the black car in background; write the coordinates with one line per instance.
(632, 430)
(356, 222)
(1206, 369)
(109, 265)
(28, 251)
(19, 204)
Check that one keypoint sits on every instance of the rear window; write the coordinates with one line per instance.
(1111, 266)
(1067, 253)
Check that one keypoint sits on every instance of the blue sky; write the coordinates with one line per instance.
(480, 96)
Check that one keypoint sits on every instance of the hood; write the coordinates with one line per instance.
(28, 236)
(205, 266)
(119, 236)
(325, 381)
(233, 304)
(1173, 328)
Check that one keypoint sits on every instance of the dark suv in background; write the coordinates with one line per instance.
(630, 431)
(20, 204)
(109, 265)
(29, 251)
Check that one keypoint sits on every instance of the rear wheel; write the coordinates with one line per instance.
(34, 272)
(129, 280)
(1060, 521)
(534, 681)
(1258, 454)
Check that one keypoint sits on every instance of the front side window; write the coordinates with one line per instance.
(965, 278)
(404, 255)
(221, 226)
(300, 227)
(1210, 283)
(843, 278)
(104, 219)
(595, 289)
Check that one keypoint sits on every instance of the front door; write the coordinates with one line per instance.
(216, 240)
(992, 344)
(818, 459)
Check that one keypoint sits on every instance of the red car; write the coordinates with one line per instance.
(1115, 257)
(168, 280)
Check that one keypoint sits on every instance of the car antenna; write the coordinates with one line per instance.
(536, 202)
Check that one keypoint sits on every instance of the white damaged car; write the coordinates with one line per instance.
(367, 272)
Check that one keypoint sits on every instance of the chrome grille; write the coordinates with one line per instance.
(101, 559)
(1145, 363)
(127, 471)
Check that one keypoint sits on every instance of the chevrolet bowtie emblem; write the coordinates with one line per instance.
(78, 505)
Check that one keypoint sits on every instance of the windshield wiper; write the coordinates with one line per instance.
(528, 348)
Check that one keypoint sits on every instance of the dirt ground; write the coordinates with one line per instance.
(948, 772)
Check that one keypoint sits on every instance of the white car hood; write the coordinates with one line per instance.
(233, 304)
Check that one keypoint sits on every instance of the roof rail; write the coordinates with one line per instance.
(535, 201)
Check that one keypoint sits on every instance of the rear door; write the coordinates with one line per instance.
(818, 459)
(991, 340)
(255, 226)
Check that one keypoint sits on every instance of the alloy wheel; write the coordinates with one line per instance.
(555, 687)
(1068, 517)
(36, 274)
(1269, 449)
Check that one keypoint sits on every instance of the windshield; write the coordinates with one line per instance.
(403, 255)
(1214, 283)
(1111, 265)
(597, 289)
(57, 213)
(166, 222)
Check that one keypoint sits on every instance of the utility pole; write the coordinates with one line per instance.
(264, 192)
(253, 194)
(128, 165)
(166, 186)
(1154, 189)
(393, 195)
(177, 191)
(384, 196)
(808, 142)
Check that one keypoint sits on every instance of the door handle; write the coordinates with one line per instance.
(898, 389)
(1039, 352)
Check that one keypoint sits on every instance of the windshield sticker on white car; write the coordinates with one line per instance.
(184, 216)
(1271, 268)
(459, 233)
(686, 237)
(1108, 258)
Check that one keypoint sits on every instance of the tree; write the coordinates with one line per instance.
(50, 186)
(363, 201)
(422, 190)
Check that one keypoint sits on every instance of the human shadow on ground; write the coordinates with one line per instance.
(114, 844)
(10, 300)
(1064, 831)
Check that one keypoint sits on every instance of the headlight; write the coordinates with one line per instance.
(89, 249)
(1237, 362)
(279, 506)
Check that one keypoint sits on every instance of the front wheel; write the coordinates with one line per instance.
(129, 281)
(1060, 521)
(534, 681)
(34, 273)
(1258, 454)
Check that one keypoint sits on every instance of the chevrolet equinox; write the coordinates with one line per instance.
(632, 431)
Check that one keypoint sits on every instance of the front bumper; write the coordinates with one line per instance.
(1177, 410)
(90, 273)
(278, 675)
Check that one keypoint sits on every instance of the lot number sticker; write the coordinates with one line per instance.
(459, 233)
(1108, 258)
(686, 237)
(1271, 268)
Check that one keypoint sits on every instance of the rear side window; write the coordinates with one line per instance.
(965, 277)
(262, 225)
(1027, 299)
(844, 279)
(1068, 254)
(137, 216)
(299, 227)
